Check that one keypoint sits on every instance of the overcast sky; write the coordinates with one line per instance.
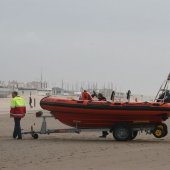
(126, 42)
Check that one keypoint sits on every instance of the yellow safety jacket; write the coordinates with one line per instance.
(18, 107)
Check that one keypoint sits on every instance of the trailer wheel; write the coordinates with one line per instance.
(35, 136)
(133, 135)
(164, 127)
(122, 132)
(158, 132)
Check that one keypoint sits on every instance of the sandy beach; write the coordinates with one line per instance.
(85, 151)
(117, 51)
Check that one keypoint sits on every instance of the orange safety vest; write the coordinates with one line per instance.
(86, 96)
(18, 107)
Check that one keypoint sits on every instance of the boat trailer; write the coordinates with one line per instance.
(122, 131)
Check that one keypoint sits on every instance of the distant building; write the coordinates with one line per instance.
(27, 91)
(37, 85)
(4, 92)
(57, 91)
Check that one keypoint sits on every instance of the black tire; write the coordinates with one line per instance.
(35, 136)
(165, 133)
(164, 127)
(133, 135)
(122, 133)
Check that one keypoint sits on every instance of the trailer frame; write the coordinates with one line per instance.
(135, 128)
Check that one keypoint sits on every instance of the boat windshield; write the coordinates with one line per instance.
(163, 94)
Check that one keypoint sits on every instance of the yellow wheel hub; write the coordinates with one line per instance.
(158, 132)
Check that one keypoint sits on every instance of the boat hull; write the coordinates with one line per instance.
(103, 114)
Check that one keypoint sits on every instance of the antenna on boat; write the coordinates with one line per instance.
(41, 80)
(163, 91)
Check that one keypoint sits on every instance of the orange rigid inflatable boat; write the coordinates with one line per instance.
(123, 119)
(103, 114)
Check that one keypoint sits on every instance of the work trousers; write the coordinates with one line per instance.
(17, 128)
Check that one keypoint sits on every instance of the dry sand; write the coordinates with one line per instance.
(85, 151)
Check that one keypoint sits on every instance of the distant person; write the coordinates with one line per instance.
(30, 102)
(102, 98)
(86, 95)
(94, 94)
(34, 102)
(18, 110)
(80, 97)
(128, 95)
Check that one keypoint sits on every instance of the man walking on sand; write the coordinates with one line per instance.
(18, 110)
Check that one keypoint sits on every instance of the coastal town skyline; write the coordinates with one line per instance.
(73, 85)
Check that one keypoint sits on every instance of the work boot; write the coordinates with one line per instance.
(104, 134)
(14, 136)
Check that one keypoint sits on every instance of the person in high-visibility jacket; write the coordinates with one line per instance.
(18, 110)
(86, 96)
